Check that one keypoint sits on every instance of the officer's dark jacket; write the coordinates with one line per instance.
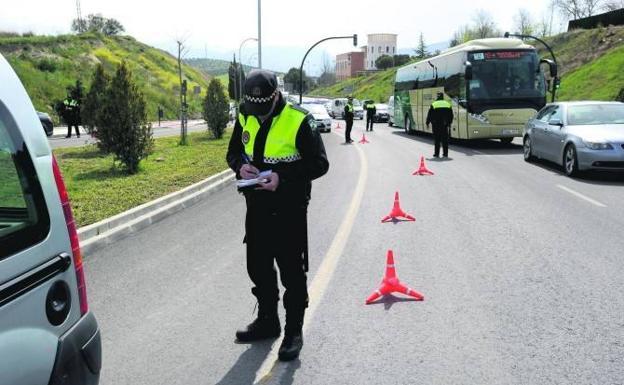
(440, 117)
(348, 111)
(294, 177)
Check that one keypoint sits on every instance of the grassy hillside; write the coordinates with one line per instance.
(591, 63)
(48, 64)
(213, 67)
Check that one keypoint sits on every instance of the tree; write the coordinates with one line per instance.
(216, 108)
(292, 77)
(123, 121)
(97, 23)
(236, 76)
(523, 22)
(328, 72)
(484, 25)
(613, 5)
(384, 62)
(577, 9)
(421, 50)
(112, 27)
(400, 60)
(93, 102)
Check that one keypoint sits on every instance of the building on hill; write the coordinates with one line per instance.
(348, 64)
(379, 44)
(604, 19)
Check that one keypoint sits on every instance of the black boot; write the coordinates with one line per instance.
(293, 336)
(267, 325)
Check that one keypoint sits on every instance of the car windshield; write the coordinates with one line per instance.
(590, 114)
(381, 106)
(357, 103)
(315, 108)
(505, 74)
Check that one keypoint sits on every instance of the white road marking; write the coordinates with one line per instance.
(325, 272)
(479, 152)
(578, 194)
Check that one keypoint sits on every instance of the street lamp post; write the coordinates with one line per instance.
(240, 59)
(354, 37)
(259, 35)
(553, 70)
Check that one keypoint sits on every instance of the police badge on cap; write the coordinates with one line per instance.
(260, 89)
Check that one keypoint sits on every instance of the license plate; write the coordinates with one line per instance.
(511, 131)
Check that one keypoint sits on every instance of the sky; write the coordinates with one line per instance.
(216, 28)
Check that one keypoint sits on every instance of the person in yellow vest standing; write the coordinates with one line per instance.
(440, 116)
(348, 117)
(278, 144)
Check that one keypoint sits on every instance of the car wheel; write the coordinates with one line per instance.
(506, 140)
(528, 149)
(570, 161)
(390, 123)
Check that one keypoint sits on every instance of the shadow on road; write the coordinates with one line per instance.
(605, 178)
(468, 147)
(390, 299)
(244, 370)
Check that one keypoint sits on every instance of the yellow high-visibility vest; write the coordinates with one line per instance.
(281, 140)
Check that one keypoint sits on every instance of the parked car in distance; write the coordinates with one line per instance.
(391, 111)
(578, 136)
(46, 122)
(48, 336)
(381, 114)
(339, 105)
(323, 120)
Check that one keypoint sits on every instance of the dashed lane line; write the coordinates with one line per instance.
(579, 195)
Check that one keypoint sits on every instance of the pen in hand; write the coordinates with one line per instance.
(248, 171)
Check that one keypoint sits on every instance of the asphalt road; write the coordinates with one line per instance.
(520, 266)
(169, 128)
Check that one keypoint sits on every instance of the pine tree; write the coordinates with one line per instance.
(216, 108)
(93, 102)
(421, 51)
(123, 121)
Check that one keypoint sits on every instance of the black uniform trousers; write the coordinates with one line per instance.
(369, 122)
(69, 129)
(349, 123)
(278, 235)
(440, 135)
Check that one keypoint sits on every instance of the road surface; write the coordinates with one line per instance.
(168, 128)
(521, 269)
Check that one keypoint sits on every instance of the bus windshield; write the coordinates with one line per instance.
(506, 74)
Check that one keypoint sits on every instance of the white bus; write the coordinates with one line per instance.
(495, 86)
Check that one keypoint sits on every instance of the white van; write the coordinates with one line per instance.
(338, 105)
(48, 336)
(391, 111)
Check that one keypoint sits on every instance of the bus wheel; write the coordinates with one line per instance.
(527, 149)
(506, 140)
(408, 125)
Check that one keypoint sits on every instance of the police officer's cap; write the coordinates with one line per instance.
(259, 91)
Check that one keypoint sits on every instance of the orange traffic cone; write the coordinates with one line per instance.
(391, 283)
(338, 126)
(363, 140)
(397, 212)
(422, 170)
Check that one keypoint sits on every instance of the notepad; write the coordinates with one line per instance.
(262, 178)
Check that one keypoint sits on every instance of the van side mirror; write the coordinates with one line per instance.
(555, 122)
(468, 70)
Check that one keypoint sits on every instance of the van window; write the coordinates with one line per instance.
(24, 219)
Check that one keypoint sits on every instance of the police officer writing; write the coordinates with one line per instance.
(348, 116)
(271, 134)
(371, 110)
(440, 115)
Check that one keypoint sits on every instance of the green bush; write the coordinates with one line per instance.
(47, 65)
(123, 121)
(216, 108)
(93, 102)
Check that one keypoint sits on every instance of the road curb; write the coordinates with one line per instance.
(113, 229)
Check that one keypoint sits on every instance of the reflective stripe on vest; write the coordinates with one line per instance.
(370, 106)
(349, 108)
(282, 137)
(441, 104)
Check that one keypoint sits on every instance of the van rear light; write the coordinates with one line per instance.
(73, 238)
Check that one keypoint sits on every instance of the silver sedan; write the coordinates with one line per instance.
(578, 136)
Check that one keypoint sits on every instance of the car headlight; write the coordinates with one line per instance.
(598, 145)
